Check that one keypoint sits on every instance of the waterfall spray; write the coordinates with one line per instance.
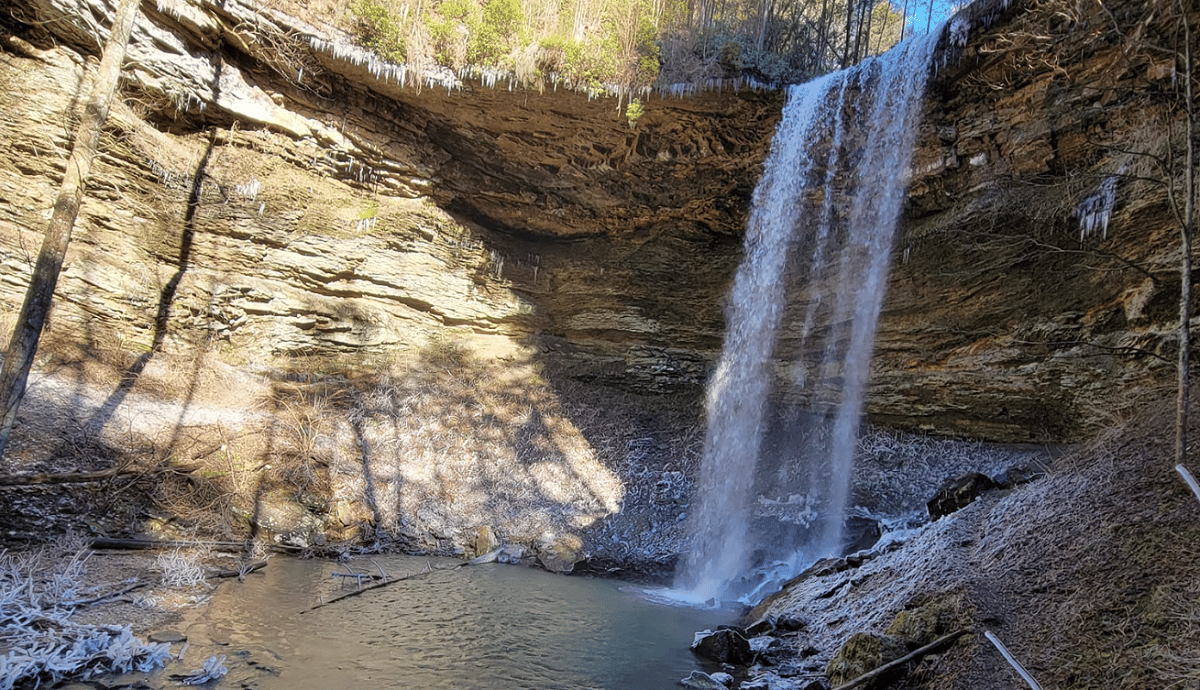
(831, 192)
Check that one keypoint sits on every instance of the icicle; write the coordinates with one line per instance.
(1096, 210)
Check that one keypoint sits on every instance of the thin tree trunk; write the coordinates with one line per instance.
(822, 37)
(849, 24)
(21, 348)
(1185, 265)
(887, 16)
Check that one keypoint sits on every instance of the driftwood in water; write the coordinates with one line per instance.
(930, 648)
(240, 571)
(381, 583)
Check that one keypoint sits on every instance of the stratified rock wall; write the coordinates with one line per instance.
(1004, 320)
(274, 186)
(268, 189)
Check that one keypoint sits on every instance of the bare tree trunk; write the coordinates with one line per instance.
(822, 37)
(887, 16)
(1185, 266)
(21, 348)
(849, 25)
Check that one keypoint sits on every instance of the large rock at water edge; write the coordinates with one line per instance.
(727, 646)
(559, 554)
(699, 680)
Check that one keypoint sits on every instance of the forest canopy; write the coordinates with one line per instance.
(632, 44)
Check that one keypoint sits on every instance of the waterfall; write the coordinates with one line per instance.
(808, 291)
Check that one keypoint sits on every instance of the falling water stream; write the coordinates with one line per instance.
(812, 279)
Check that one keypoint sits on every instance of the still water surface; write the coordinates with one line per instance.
(490, 626)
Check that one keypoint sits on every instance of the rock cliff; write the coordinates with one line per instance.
(270, 188)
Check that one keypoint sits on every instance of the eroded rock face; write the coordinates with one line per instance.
(328, 211)
(268, 188)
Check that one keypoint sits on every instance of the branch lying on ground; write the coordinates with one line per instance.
(1012, 661)
(1189, 480)
(240, 571)
(135, 584)
(64, 477)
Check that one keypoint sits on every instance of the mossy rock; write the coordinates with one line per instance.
(865, 652)
(921, 624)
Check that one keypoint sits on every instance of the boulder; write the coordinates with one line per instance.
(865, 652)
(559, 554)
(511, 554)
(959, 492)
(789, 622)
(1019, 474)
(283, 519)
(486, 540)
(861, 533)
(726, 646)
(920, 624)
(722, 678)
(699, 680)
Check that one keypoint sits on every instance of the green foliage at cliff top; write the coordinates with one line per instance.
(629, 43)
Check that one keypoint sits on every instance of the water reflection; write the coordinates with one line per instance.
(488, 626)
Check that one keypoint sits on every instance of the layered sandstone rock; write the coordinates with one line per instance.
(272, 189)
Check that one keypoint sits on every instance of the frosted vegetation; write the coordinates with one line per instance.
(627, 45)
(39, 591)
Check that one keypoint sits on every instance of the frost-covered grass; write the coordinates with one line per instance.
(181, 568)
(39, 591)
(897, 472)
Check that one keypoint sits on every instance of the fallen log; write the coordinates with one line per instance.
(930, 648)
(64, 477)
(134, 544)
